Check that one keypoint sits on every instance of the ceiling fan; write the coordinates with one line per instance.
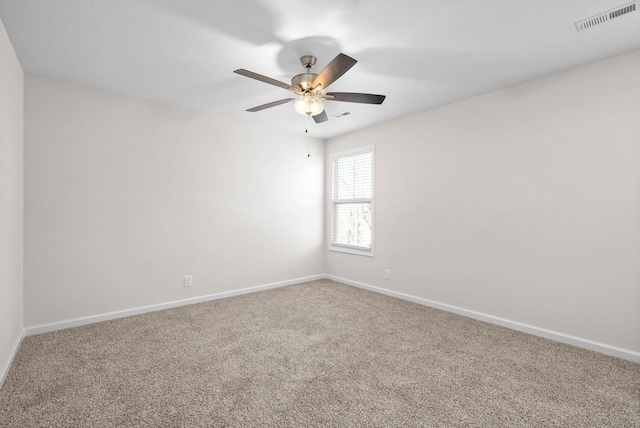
(311, 89)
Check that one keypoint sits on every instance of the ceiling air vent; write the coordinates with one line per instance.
(603, 17)
(341, 114)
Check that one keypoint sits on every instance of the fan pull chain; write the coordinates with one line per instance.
(306, 131)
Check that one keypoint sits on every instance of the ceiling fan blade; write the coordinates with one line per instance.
(265, 79)
(353, 97)
(332, 72)
(269, 105)
(321, 117)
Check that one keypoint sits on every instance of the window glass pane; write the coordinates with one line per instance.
(351, 228)
(352, 177)
(352, 224)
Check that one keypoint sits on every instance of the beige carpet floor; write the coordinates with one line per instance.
(314, 354)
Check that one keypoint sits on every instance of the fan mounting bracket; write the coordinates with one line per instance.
(308, 61)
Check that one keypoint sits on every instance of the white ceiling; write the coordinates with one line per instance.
(420, 53)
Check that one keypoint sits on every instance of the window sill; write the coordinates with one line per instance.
(350, 250)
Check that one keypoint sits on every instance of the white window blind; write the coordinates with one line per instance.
(351, 201)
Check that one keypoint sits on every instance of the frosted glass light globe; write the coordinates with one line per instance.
(309, 104)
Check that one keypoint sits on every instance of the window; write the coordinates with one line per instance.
(351, 201)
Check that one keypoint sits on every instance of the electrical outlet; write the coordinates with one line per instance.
(387, 274)
(188, 281)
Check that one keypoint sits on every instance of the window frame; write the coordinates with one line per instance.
(342, 248)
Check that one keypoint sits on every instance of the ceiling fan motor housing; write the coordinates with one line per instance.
(303, 81)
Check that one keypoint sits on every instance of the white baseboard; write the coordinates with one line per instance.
(12, 356)
(76, 322)
(514, 325)
(537, 331)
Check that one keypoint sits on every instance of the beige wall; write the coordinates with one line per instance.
(522, 203)
(11, 200)
(125, 197)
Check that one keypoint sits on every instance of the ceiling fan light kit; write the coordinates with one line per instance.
(311, 88)
(309, 104)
